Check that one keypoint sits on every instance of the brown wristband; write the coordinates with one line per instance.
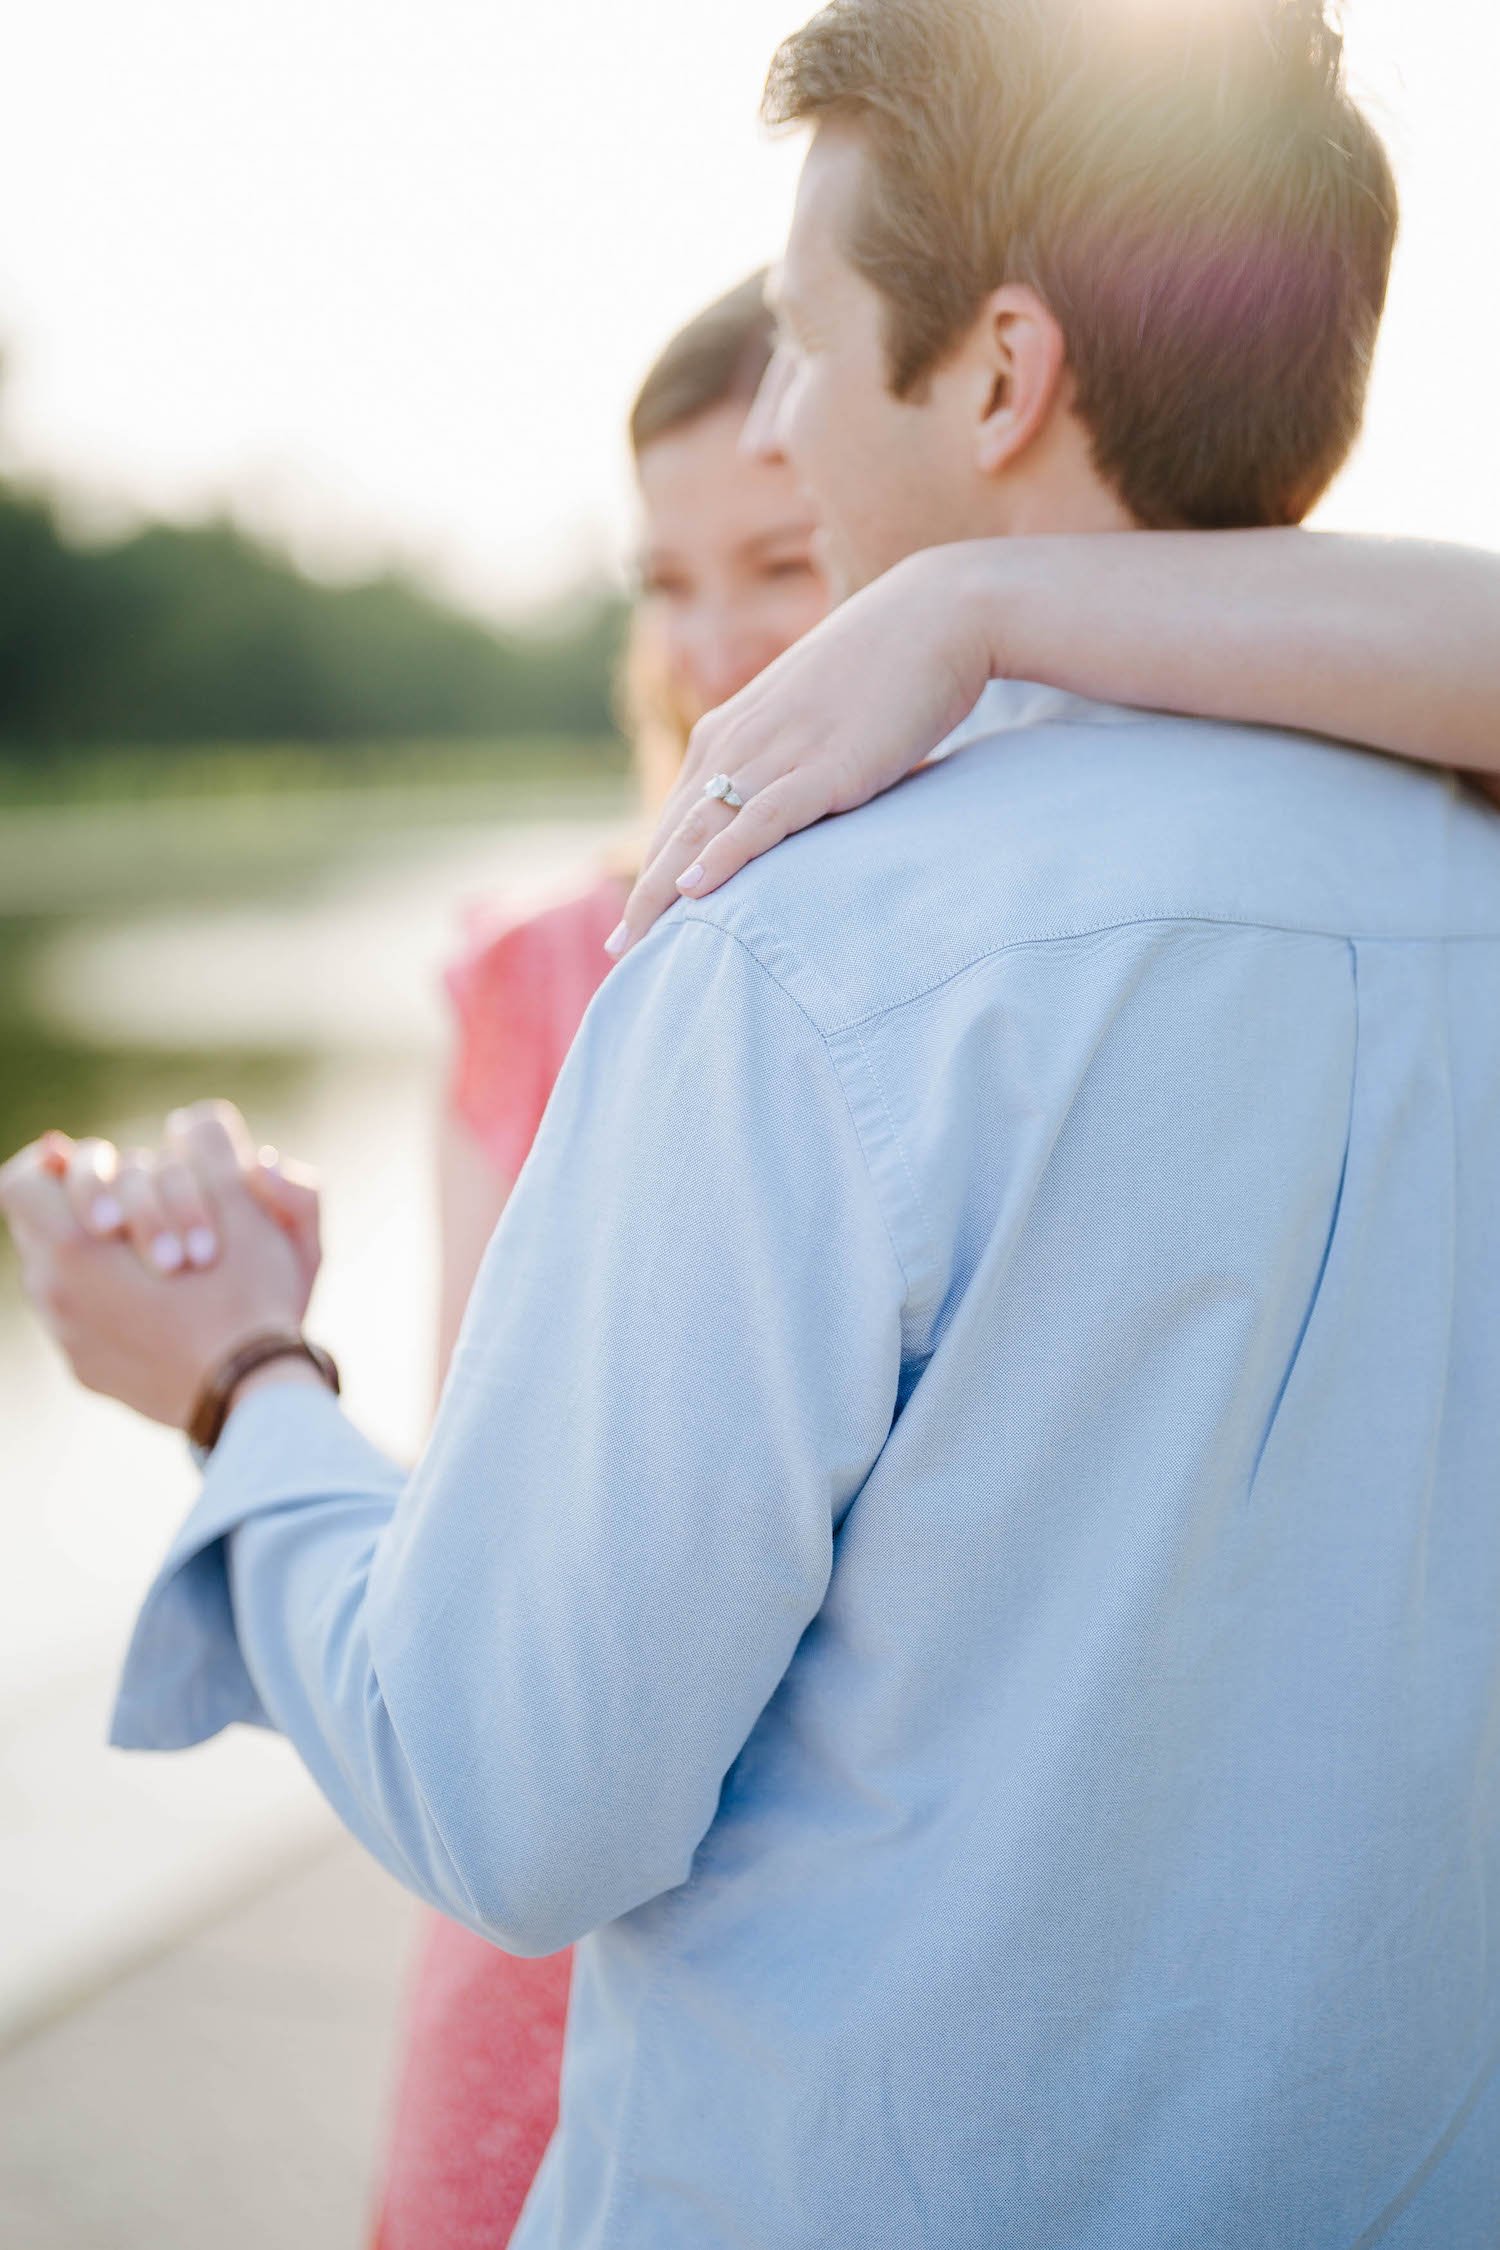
(217, 1395)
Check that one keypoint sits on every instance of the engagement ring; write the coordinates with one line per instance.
(723, 788)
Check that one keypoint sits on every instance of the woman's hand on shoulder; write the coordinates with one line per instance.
(844, 714)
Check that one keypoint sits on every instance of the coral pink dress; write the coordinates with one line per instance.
(477, 2100)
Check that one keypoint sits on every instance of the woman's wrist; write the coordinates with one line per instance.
(969, 593)
(999, 589)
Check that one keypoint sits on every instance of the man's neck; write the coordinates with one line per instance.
(1065, 506)
(1056, 488)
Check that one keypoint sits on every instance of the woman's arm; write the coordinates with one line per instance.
(1390, 643)
(471, 1197)
(1387, 642)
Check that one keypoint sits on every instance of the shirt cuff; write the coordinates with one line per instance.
(184, 1677)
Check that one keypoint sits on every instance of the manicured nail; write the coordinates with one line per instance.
(202, 1246)
(105, 1214)
(691, 877)
(617, 941)
(166, 1253)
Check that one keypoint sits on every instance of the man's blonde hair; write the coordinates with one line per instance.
(1188, 187)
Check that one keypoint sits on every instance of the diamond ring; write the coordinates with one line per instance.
(723, 788)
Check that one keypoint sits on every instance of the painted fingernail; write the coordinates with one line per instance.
(105, 1214)
(166, 1253)
(202, 1246)
(617, 941)
(691, 877)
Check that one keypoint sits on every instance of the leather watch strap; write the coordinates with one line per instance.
(217, 1395)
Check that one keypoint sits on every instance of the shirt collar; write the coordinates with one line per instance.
(1008, 705)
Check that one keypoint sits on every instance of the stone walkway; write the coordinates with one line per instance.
(229, 2095)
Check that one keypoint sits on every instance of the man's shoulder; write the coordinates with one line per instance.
(1055, 819)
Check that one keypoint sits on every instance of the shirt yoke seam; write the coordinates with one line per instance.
(1040, 938)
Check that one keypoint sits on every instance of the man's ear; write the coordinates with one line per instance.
(1024, 362)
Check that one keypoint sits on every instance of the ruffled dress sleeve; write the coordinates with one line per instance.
(499, 1079)
(519, 990)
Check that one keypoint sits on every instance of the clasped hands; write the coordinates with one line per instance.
(149, 1267)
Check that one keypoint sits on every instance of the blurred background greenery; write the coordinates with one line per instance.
(179, 635)
(276, 725)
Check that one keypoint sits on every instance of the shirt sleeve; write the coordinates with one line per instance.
(522, 1678)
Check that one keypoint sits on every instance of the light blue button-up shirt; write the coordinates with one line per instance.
(960, 1555)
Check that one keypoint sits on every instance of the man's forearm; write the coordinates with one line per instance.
(298, 1579)
(263, 1613)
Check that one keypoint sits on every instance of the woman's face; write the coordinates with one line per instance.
(728, 577)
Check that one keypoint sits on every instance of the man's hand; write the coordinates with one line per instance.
(137, 1321)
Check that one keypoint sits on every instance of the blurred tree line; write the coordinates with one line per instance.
(178, 635)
